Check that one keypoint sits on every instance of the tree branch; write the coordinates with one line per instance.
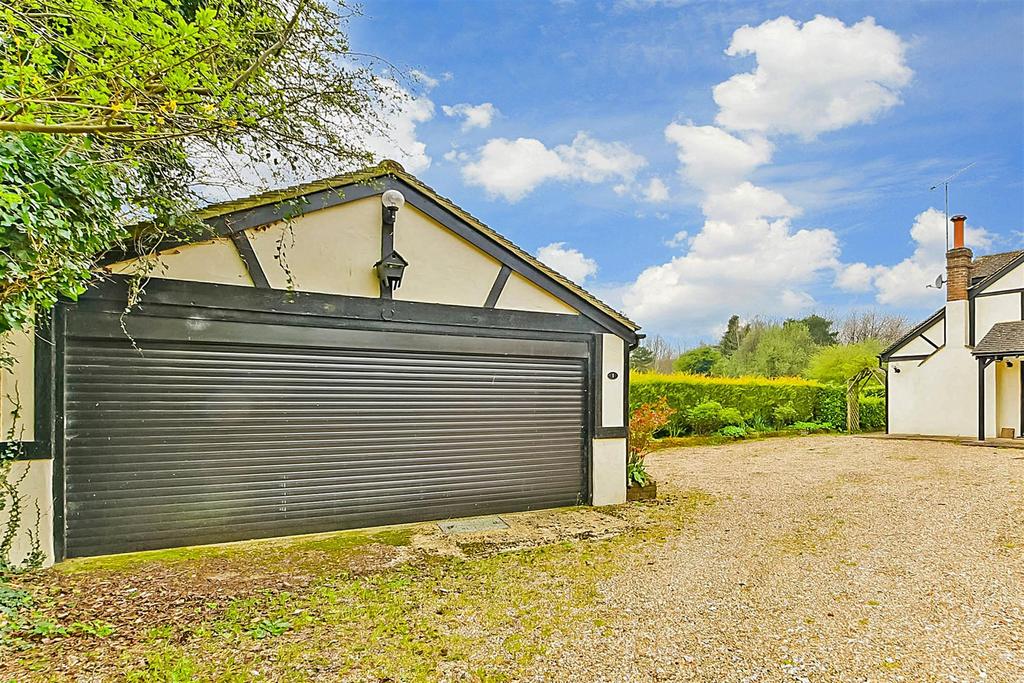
(63, 128)
(271, 51)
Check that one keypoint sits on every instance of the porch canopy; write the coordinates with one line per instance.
(1005, 339)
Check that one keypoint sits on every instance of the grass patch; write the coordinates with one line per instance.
(268, 551)
(485, 617)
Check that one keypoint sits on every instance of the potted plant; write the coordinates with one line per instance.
(643, 423)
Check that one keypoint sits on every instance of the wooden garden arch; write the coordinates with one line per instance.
(853, 388)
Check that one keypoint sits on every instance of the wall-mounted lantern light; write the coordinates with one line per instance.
(391, 266)
(390, 270)
(896, 369)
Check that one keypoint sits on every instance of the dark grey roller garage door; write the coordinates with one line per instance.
(198, 439)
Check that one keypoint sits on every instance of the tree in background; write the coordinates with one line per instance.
(860, 326)
(733, 335)
(772, 350)
(111, 111)
(820, 329)
(641, 359)
(664, 353)
(837, 364)
(703, 360)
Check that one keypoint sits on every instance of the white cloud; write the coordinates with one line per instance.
(513, 168)
(857, 277)
(711, 158)
(399, 140)
(745, 202)
(905, 284)
(656, 191)
(754, 267)
(812, 78)
(748, 257)
(680, 239)
(567, 261)
(473, 115)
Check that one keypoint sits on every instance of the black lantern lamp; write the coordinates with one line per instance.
(389, 270)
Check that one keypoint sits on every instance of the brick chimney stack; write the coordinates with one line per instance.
(958, 263)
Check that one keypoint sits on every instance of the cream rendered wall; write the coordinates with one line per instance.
(215, 261)
(918, 346)
(1008, 396)
(939, 396)
(613, 357)
(989, 310)
(608, 484)
(17, 387)
(443, 267)
(36, 488)
(333, 251)
(522, 295)
(330, 251)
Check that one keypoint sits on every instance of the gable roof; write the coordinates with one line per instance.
(918, 329)
(990, 264)
(1004, 339)
(268, 207)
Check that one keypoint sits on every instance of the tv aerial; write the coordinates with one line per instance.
(945, 184)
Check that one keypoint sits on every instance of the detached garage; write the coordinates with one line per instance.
(352, 352)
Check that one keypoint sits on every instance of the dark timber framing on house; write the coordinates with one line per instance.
(221, 303)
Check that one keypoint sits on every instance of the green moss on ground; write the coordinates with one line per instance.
(488, 616)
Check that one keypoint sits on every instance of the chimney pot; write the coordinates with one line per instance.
(958, 230)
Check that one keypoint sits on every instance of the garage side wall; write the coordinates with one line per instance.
(32, 478)
(609, 448)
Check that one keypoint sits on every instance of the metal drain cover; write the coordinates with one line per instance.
(472, 525)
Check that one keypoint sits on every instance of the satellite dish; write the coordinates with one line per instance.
(937, 284)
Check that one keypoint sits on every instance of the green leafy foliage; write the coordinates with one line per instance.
(837, 364)
(112, 113)
(641, 359)
(636, 473)
(269, 628)
(785, 414)
(872, 413)
(644, 421)
(703, 360)
(772, 351)
(57, 212)
(810, 427)
(733, 335)
(820, 329)
(732, 432)
(755, 399)
(710, 416)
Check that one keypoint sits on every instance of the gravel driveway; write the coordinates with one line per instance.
(825, 559)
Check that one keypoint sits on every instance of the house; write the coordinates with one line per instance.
(351, 352)
(958, 373)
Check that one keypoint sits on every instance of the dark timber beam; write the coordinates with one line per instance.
(249, 258)
(498, 286)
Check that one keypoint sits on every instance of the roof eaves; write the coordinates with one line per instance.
(918, 329)
(392, 168)
(973, 290)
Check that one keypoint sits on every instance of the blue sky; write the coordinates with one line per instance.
(592, 134)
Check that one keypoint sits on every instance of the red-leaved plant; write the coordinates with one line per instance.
(643, 423)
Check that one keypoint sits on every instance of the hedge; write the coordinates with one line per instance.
(755, 397)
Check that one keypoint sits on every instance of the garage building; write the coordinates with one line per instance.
(351, 352)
